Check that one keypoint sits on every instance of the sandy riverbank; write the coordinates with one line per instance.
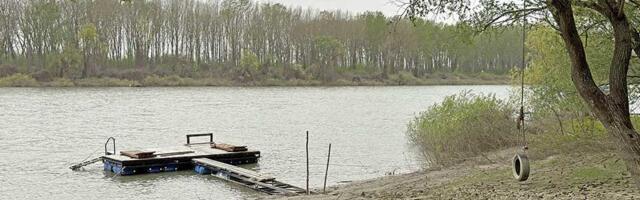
(575, 176)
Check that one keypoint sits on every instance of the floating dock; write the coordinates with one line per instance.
(204, 158)
(172, 159)
(178, 158)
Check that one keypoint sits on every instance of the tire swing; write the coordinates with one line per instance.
(520, 161)
(521, 166)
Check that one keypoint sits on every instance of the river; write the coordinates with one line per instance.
(45, 130)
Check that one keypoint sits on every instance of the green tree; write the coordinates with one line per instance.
(250, 64)
(619, 17)
(330, 51)
(67, 64)
(88, 38)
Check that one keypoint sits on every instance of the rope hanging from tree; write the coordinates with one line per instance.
(521, 160)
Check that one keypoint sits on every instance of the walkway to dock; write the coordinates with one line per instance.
(248, 178)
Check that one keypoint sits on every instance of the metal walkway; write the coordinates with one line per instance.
(245, 177)
(85, 163)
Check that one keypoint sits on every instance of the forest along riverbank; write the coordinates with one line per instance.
(237, 42)
(24, 80)
(572, 176)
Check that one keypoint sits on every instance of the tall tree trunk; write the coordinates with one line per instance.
(86, 63)
(611, 109)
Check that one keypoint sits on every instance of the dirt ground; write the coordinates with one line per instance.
(593, 176)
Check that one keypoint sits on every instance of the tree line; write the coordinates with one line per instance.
(236, 39)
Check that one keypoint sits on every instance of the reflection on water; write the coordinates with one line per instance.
(45, 130)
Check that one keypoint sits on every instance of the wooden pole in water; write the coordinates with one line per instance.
(307, 147)
(326, 172)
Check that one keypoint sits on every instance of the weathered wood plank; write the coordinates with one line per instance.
(229, 148)
(175, 153)
(138, 154)
(233, 169)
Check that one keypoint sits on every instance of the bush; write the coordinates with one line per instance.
(462, 126)
(18, 80)
(7, 70)
(42, 76)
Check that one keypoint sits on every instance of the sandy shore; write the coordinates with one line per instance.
(594, 176)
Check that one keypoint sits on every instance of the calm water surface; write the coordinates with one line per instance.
(45, 130)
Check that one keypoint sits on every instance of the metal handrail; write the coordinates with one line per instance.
(189, 136)
(114, 146)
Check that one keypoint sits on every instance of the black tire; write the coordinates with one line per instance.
(521, 166)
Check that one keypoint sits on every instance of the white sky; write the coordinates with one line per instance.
(388, 7)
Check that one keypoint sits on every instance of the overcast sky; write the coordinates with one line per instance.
(388, 7)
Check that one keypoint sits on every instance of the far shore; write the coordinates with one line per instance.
(174, 81)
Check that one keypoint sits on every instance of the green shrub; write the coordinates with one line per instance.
(18, 80)
(463, 126)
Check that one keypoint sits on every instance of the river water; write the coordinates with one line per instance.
(45, 130)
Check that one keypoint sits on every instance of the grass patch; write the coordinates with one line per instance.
(597, 175)
(176, 81)
(592, 173)
(105, 82)
(608, 169)
(60, 82)
(163, 81)
(19, 80)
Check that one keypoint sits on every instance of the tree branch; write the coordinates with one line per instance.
(517, 15)
(581, 73)
(621, 8)
(590, 4)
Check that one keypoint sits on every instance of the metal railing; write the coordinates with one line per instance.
(114, 146)
(189, 136)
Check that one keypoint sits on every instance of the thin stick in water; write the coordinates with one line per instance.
(326, 172)
(307, 147)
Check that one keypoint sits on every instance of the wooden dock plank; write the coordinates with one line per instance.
(234, 169)
(247, 178)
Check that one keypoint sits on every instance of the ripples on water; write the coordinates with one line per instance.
(45, 130)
